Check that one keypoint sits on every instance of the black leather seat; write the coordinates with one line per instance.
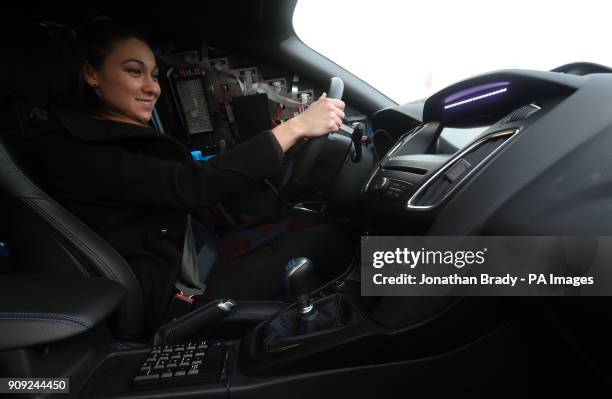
(44, 237)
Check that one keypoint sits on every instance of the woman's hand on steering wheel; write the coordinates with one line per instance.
(322, 117)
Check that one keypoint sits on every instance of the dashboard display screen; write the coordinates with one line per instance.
(453, 139)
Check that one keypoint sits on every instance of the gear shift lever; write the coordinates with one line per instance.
(301, 281)
(307, 322)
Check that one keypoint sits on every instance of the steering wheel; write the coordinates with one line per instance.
(310, 150)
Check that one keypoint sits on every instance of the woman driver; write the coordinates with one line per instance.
(135, 186)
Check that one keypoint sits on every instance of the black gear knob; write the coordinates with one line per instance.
(301, 280)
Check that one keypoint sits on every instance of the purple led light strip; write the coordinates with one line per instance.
(474, 90)
(480, 97)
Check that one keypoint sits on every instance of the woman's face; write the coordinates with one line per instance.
(127, 81)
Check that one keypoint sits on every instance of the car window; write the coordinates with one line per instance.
(409, 50)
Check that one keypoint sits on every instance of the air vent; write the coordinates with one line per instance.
(521, 113)
(450, 176)
(409, 169)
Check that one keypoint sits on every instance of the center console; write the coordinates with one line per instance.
(326, 336)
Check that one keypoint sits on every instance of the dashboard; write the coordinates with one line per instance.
(531, 159)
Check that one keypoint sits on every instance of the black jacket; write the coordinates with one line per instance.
(134, 187)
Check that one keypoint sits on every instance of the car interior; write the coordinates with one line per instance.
(533, 160)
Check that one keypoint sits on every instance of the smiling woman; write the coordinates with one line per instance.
(126, 82)
(111, 73)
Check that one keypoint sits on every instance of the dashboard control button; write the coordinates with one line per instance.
(392, 195)
(146, 377)
(396, 188)
(379, 184)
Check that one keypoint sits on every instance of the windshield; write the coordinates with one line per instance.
(409, 50)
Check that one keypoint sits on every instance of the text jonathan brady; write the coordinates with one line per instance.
(483, 279)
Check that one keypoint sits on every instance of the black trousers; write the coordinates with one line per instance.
(260, 274)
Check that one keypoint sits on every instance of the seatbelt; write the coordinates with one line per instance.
(188, 283)
(208, 253)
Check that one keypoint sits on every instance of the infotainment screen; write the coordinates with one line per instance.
(453, 139)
